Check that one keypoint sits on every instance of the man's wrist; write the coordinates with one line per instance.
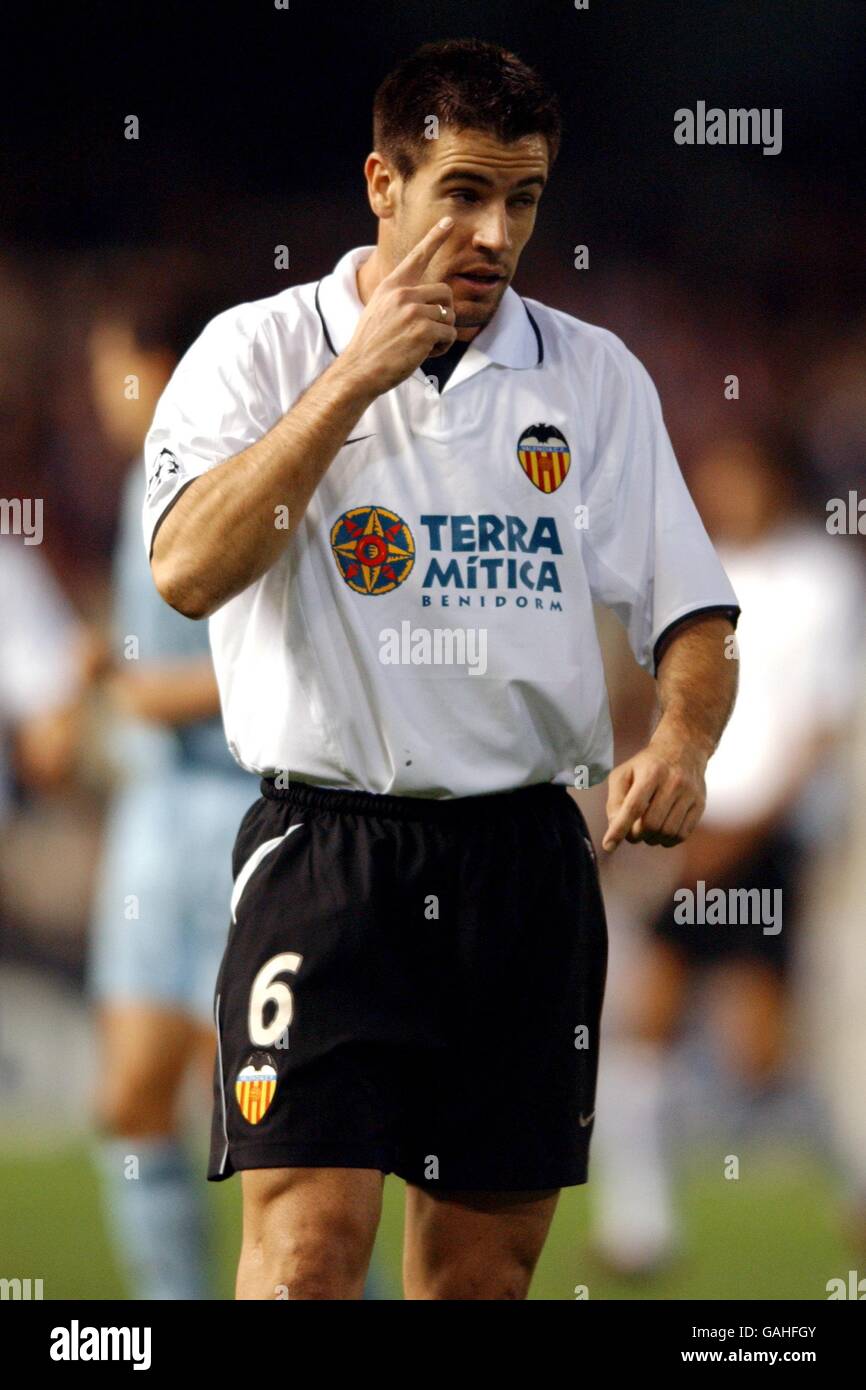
(352, 381)
(675, 735)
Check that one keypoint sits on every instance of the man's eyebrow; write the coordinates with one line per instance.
(469, 176)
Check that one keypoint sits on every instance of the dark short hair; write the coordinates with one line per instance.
(468, 85)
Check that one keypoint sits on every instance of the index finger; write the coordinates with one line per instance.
(617, 829)
(412, 266)
(634, 805)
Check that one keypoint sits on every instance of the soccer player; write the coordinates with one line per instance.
(396, 493)
(162, 902)
(768, 815)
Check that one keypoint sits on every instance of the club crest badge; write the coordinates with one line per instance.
(256, 1087)
(374, 549)
(544, 456)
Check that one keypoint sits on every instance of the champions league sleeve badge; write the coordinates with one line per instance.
(164, 468)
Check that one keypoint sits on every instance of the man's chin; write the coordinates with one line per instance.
(473, 317)
(472, 313)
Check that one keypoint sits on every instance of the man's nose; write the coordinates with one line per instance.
(491, 230)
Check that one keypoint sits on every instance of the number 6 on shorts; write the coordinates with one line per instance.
(267, 989)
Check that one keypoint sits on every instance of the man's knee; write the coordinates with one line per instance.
(467, 1277)
(306, 1246)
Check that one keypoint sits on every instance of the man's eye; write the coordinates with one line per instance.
(524, 202)
(466, 193)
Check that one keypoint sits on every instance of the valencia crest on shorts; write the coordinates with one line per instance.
(256, 1086)
(374, 549)
(544, 456)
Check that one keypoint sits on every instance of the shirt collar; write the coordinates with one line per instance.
(511, 338)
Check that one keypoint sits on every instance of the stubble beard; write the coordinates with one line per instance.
(477, 315)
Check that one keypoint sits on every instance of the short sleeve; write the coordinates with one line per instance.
(648, 556)
(212, 408)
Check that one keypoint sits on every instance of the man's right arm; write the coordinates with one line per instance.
(221, 534)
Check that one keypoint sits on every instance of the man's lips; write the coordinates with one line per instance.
(483, 279)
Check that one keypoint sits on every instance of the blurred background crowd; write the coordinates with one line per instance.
(711, 264)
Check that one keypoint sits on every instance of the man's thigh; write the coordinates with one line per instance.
(473, 1245)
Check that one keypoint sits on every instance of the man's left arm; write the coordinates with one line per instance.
(658, 796)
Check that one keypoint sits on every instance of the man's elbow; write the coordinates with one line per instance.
(179, 591)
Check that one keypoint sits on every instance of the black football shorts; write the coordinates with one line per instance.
(411, 985)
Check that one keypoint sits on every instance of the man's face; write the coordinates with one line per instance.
(492, 192)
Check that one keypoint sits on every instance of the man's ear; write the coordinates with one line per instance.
(382, 185)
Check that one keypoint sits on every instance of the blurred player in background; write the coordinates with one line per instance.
(162, 907)
(799, 643)
(42, 641)
(41, 674)
(41, 657)
(835, 1007)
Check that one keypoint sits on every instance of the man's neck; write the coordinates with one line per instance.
(369, 274)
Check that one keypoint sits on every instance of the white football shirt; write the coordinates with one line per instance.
(38, 635)
(429, 629)
(800, 645)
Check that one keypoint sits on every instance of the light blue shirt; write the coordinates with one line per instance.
(163, 636)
